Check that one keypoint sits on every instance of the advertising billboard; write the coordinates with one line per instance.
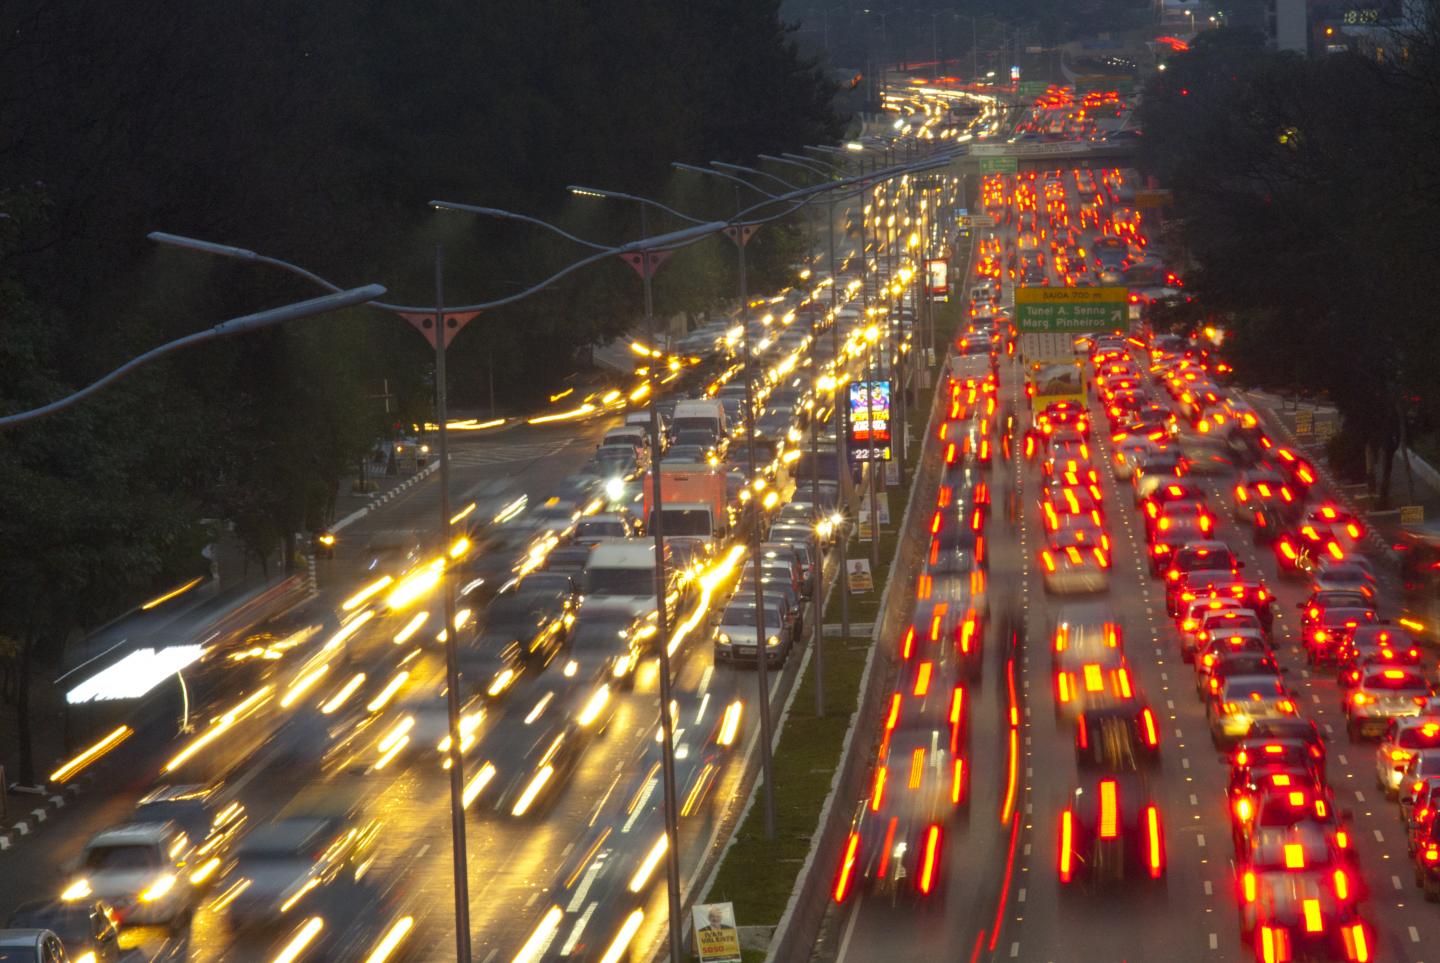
(868, 417)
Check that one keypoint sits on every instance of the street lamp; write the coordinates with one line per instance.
(646, 266)
(225, 329)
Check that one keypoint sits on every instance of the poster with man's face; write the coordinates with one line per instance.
(717, 940)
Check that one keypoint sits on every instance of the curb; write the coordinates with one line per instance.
(35, 819)
(379, 500)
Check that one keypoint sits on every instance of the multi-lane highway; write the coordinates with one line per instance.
(999, 892)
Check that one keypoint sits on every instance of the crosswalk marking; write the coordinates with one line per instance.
(476, 456)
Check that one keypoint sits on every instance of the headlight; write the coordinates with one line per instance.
(158, 889)
(773, 640)
(724, 639)
(615, 489)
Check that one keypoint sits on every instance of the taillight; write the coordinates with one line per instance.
(1248, 886)
(1067, 835)
(877, 793)
(1156, 844)
(1342, 885)
(1048, 560)
(930, 860)
(1274, 944)
(957, 781)
(1147, 728)
(1311, 909)
(847, 868)
(1109, 809)
(1357, 945)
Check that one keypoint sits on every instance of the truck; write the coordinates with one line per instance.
(621, 572)
(694, 500)
(1054, 379)
(706, 413)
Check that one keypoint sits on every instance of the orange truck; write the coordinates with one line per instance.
(694, 500)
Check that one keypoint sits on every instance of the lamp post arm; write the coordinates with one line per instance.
(225, 329)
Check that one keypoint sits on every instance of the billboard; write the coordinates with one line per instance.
(868, 417)
(938, 269)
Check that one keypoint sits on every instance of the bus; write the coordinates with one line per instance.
(1419, 549)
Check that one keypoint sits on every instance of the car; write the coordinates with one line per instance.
(1171, 536)
(1402, 739)
(1252, 595)
(1374, 644)
(1300, 548)
(1425, 846)
(590, 530)
(1229, 657)
(298, 856)
(1110, 832)
(1207, 556)
(1117, 735)
(1166, 514)
(1324, 636)
(86, 927)
(1243, 699)
(1129, 452)
(1281, 800)
(212, 825)
(139, 869)
(608, 644)
(1290, 914)
(1071, 569)
(1344, 576)
(537, 620)
(735, 633)
(918, 785)
(1084, 676)
(1293, 754)
(1424, 765)
(1381, 695)
(1257, 486)
(31, 946)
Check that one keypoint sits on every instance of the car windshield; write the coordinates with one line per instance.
(601, 634)
(600, 529)
(620, 581)
(121, 858)
(1396, 679)
(1253, 689)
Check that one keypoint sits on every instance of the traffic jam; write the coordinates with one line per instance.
(1171, 543)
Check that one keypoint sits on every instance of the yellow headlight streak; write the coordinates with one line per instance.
(162, 599)
(730, 723)
(416, 585)
(221, 725)
(391, 940)
(537, 783)
(620, 947)
(388, 693)
(570, 415)
(85, 758)
(593, 706)
(411, 627)
(302, 685)
(348, 630)
(477, 783)
(648, 864)
(303, 938)
(709, 580)
(369, 591)
(540, 939)
(344, 694)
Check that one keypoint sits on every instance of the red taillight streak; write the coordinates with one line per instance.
(1067, 831)
(847, 868)
(1156, 843)
(885, 852)
(931, 859)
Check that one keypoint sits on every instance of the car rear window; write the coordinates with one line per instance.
(1248, 688)
(1395, 679)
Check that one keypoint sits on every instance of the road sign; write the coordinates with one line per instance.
(1033, 88)
(1155, 198)
(970, 221)
(1070, 310)
(1412, 514)
(1304, 421)
(999, 165)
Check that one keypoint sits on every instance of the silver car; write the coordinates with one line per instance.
(1384, 693)
(1403, 739)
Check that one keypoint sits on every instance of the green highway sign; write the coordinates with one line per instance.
(1043, 310)
(998, 165)
(1032, 88)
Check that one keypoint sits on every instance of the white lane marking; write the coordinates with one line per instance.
(1395, 882)
(1214, 941)
(1339, 756)
(1359, 796)
(1209, 888)
(1020, 896)
(1185, 763)
(1379, 836)
(1414, 935)
(1200, 840)
(849, 928)
(1014, 950)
